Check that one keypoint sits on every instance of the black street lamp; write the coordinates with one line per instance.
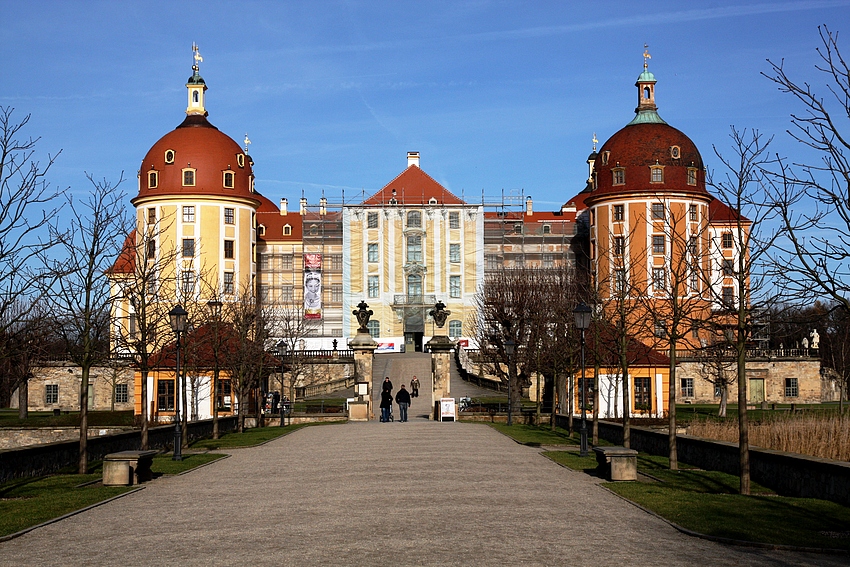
(582, 314)
(510, 348)
(177, 317)
(281, 349)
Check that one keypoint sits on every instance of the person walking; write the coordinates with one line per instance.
(387, 386)
(386, 405)
(403, 400)
(414, 387)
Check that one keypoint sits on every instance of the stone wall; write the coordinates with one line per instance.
(38, 460)
(789, 474)
(810, 384)
(67, 377)
(12, 437)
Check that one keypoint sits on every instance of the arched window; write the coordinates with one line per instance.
(455, 329)
(414, 219)
(287, 230)
(195, 96)
(374, 328)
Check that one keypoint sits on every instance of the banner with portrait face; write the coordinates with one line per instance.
(312, 286)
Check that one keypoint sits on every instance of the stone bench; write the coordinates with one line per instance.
(617, 463)
(127, 468)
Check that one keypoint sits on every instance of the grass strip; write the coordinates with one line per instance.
(536, 436)
(164, 464)
(707, 502)
(250, 438)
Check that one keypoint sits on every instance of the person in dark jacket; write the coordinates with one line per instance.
(414, 387)
(388, 386)
(403, 401)
(386, 405)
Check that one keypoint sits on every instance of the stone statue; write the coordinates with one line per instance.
(815, 338)
(440, 314)
(805, 343)
(363, 313)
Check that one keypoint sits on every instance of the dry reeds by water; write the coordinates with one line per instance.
(819, 435)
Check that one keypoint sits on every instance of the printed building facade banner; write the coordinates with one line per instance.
(312, 286)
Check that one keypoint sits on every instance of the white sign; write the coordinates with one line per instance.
(362, 388)
(447, 409)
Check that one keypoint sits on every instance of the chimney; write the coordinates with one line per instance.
(283, 207)
(412, 159)
(528, 208)
(303, 210)
(323, 206)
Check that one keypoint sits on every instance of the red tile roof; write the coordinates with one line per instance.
(125, 263)
(413, 187)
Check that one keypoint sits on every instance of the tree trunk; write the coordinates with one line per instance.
(724, 399)
(596, 404)
(215, 402)
(743, 433)
(144, 404)
(185, 425)
(671, 409)
(23, 399)
(83, 463)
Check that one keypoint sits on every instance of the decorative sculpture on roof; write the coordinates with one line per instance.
(196, 55)
(363, 313)
(815, 338)
(440, 314)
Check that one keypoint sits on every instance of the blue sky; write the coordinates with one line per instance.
(496, 95)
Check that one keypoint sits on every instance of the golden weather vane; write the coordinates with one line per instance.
(646, 55)
(196, 55)
(595, 141)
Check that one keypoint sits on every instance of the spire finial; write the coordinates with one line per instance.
(646, 55)
(196, 55)
(247, 142)
(595, 141)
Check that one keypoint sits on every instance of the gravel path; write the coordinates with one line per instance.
(416, 493)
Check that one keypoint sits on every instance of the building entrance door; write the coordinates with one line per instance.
(413, 342)
(414, 330)
(756, 393)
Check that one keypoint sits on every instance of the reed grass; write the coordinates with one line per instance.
(824, 435)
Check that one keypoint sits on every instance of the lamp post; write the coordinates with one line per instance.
(177, 318)
(582, 314)
(510, 347)
(281, 349)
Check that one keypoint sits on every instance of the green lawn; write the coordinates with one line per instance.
(534, 435)
(707, 502)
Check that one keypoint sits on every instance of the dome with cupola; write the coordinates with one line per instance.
(196, 158)
(648, 154)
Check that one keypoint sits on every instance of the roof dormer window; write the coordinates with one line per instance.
(619, 174)
(656, 174)
(240, 160)
(228, 180)
(675, 152)
(169, 156)
(605, 156)
(188, 177)
(692, 176)
(153, 179)
(287, 230)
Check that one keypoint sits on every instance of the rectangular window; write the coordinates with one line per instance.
(618, 212)
(132, 325)
(454, 253)
(188, 177)
(152, 215)
(728, 297)
(286, 262)
(336, 293)
(188, 247)
(687, 387)
(695, 331)
(693, 247)
(692, 176)
(228, 283)
(728, 267)
(228, 179)
(658, 279)
(619, 176)
(286, 293)
(548, 261)
(51, 394)
(643, 394)
(151, 250)
(189, 213)
(694, 278)
(414, 219)
(336, 262)
(374, 286)
(726, 240)
(414, 248)
(223, 396)
(791, 389)
(657, 211)
(660, 329)
(187, 281)
(518, 228)
(658, 244)
(122, 394)
(372, 252)
(492, 262)
(454, 219)
(263, 292)
(454, 286)
(265, 261)
(228, 249)
(455, 329)
(619, 280)
(165, 395)
(619, 245)
(547, 229)
(228, 216)
(657, 175)
(692, 212)
(372, 220)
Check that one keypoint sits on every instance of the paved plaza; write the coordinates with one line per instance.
(415, 493)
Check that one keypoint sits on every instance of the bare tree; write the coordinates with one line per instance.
(743, 245)
(80, 296)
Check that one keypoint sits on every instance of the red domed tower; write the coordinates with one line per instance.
(649, 218)
(196, 207)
